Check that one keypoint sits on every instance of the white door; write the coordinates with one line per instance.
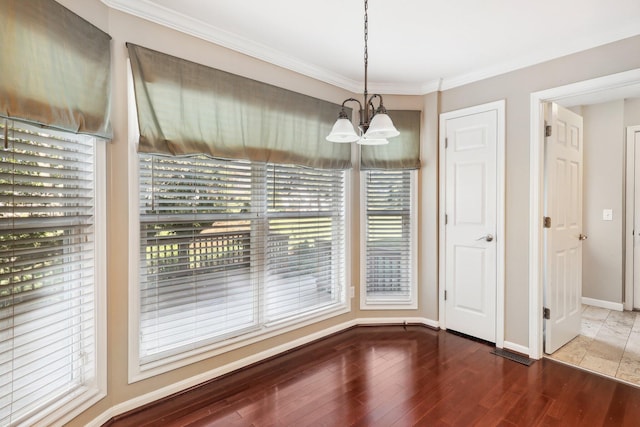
(636, 221)
(563, 232)
(470, 231)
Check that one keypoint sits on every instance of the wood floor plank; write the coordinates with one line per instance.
(392, 376)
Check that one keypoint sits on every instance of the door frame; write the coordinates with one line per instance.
(629, 215)
(499, 107)
(536, 187)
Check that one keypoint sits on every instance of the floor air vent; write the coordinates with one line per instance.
(512, 356)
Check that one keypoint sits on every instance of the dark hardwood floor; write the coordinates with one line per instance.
(389, 376)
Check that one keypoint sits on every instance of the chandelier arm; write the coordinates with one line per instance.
(359, 109)
(381, 108)
(351, 99)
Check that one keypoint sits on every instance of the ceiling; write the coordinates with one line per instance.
(415, 46)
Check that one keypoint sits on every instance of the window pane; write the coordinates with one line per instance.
(228, 246)
(305, 245)
(195, 279)
(388, 235)
(47, 345)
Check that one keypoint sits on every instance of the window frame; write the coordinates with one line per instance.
(390, 303)
(70, 406)
(138, 371)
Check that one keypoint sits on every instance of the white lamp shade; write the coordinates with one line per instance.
(365, 140)
(381, 127)
(342, 131)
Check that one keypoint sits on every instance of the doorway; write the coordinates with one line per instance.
(472, 221)
(536, 246)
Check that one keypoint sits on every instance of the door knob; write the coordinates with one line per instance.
(488, 238)
(582, 237)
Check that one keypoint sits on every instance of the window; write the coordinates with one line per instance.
(231, 248)
(50, 279)
(390, 236)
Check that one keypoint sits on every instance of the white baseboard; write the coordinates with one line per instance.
(144, 399)
(398, 321)
(617, 306)
(507, 345)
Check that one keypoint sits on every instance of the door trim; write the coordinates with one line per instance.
(499, 107)
(536, 176)
(629, 222)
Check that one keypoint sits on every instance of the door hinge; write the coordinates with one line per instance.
(446, 219)
(548, 130)
(546, 221)
(446, 143)
(546, 313)
(445, 295)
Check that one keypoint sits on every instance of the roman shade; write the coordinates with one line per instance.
(55, 68)
(402, 152)
(187, 108)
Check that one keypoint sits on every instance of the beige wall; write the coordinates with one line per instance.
(604, 154)
(632, 112)
(515, 87)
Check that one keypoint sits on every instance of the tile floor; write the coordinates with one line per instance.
(609, 344)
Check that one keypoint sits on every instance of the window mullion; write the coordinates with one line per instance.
(259, 229)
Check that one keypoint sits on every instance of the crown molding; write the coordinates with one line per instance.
(150, 11)
(147, 10)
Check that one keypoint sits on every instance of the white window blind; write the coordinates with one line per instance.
(389, 235)
(228, 246)
(305, 244)
(47, 271)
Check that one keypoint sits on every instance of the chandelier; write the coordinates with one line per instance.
(375, 124)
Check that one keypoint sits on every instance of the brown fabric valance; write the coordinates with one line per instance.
(55, 69)
(188, 108)
(402, 152)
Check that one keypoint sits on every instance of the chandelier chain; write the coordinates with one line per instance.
(366, 31)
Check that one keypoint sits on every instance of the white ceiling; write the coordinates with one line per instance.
(415, 46)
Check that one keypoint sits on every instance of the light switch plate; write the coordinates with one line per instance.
(607, 214)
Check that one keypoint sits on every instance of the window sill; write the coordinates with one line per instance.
(140, 372)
